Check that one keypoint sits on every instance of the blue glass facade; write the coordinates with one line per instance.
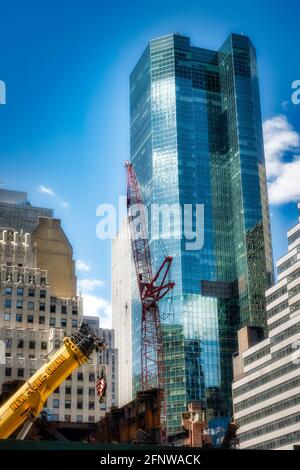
(196, 138)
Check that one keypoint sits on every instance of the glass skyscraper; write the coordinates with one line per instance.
(196, 138)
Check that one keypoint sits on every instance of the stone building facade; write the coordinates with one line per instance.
(33, 322)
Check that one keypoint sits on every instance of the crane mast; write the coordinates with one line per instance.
(152, 288)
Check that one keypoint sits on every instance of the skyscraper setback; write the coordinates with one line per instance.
(17, 213)
(196, 138)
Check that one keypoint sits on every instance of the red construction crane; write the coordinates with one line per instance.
(152, 288)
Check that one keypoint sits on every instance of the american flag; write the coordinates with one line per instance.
(101, 387)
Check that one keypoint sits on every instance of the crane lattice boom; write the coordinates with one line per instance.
(151, 288)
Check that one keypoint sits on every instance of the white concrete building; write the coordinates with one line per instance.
(121, 310)
(266, 387)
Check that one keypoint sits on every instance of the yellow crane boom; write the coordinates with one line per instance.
(27, 402)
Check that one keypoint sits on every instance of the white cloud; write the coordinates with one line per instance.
(279, 137)
(286, 187)
(98, 307)
(93, 303)
(283, 176)
(82, 266)
(46, 190)
(89, 285)
(65, 204)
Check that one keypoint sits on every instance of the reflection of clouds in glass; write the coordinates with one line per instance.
(296, 353)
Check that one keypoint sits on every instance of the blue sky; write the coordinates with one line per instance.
(65, 126)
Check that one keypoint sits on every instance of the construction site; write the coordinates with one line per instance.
(137, 423)
(142, 421)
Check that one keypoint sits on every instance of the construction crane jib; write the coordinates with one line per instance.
(152, 288)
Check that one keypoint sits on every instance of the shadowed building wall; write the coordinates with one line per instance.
(55, 254)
